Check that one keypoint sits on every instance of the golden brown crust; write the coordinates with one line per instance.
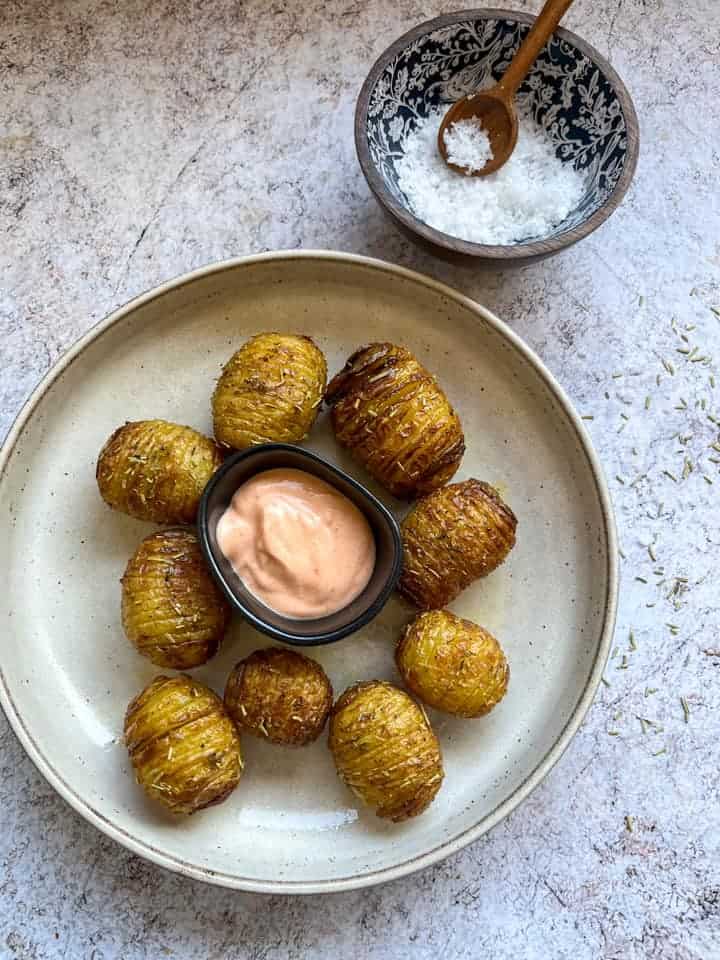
(279, 695)
(389, 411)
(156, 470)
(184, 748)
(270, 390)
(385, 750)
(456, 535)
(172, 611)
(452, 664)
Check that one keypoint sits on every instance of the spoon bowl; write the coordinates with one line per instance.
(498, 120)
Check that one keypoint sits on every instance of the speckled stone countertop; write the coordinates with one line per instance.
(140, 140)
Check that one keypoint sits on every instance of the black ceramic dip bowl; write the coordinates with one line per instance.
(240, 467)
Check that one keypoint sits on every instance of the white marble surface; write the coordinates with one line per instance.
(140, 140)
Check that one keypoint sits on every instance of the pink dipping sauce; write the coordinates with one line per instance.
(297, 543)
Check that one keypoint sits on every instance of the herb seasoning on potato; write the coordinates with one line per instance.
(385, 750)
(279, 695)
(172, 611)
(269, 391)
(184, 747)
(454, 536)
(452, 664)
(155, 470)
(389, 411)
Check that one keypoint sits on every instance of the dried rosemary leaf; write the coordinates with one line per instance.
(686, 709)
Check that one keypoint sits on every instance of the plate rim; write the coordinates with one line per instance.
(537, 775)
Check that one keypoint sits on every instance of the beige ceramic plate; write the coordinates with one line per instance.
(67, 672)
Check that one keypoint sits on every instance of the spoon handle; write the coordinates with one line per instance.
(540, 32)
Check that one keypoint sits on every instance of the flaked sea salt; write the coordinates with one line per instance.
(526, 198)
(467, 145)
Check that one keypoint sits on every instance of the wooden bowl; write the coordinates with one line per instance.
(572, 92)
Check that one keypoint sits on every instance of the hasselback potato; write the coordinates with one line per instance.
(389, 411)
(269, 391)
(452, 664)
(184, 748)
(155, 470)
(451, 538)
(385, 750)
(172, 611)
(279, 695)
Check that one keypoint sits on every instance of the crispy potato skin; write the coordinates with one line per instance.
(385, 750)
(453, 537)
(270, 390)
(184, 748)
(389, 411)
(172, 611)
(155, 470)
(279, 695)
(452, 664)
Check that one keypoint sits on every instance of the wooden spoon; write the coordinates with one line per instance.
(494, 108)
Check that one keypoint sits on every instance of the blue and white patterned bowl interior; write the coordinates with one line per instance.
(566, 92)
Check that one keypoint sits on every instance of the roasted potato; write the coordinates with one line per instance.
(451, 538)
(452, 664)
(395, 420)
(155, 470)
(270, 390)
(279, 695)
(172, 611)
(183, 746)
(385, 749)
